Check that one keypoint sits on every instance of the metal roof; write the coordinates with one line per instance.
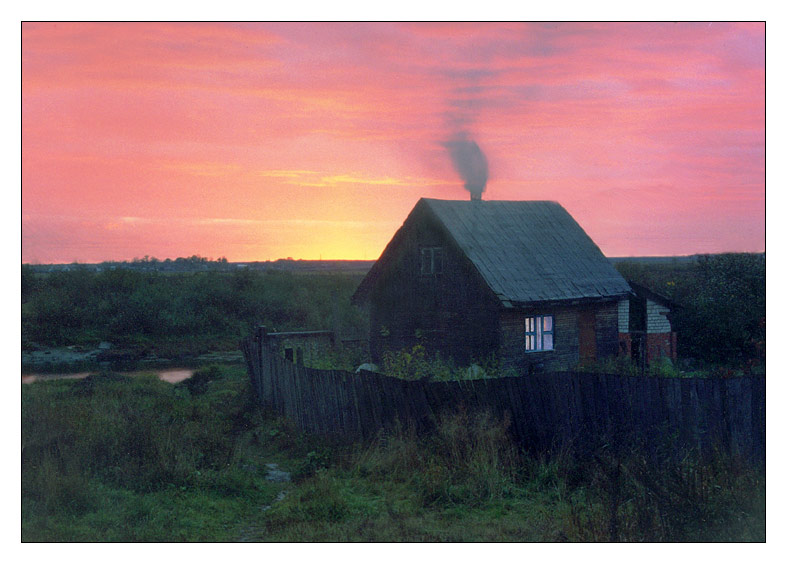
(529, 251)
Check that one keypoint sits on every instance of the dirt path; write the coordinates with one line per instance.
(273, 474)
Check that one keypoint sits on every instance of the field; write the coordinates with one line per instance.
(160, 318)
(112, 458)
(116, 459)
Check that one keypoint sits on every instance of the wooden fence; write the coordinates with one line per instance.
(545, 411)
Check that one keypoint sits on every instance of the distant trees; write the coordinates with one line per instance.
(723, 318)
(150, 308)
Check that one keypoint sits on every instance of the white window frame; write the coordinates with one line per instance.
(535, 333)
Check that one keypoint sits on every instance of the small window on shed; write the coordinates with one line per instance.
(431, 260)
(539, 333)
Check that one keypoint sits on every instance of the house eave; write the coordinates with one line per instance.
(566, 302)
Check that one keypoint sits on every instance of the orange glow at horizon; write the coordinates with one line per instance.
(264, 141)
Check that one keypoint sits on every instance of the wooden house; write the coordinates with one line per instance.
(517, 279)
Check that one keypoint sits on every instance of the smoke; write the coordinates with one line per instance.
(470, 162)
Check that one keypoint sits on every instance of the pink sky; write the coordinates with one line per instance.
(263, 141)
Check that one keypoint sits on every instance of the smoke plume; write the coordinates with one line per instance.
(470, 162)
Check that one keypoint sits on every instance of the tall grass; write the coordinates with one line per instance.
(96, 448)
(468, 481)
(135, 459)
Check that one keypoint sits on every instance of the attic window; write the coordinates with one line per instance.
(431, 260)
(539, 333)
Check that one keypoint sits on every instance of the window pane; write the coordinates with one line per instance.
(547, 341)
(528, 342)
(528, 324)
(547, 323)
(437, 261)
(538, 334)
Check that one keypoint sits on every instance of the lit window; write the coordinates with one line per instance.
(539, 333)
(431, 260)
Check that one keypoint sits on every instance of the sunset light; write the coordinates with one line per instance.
(258, 141)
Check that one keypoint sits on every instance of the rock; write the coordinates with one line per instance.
(367, 367)
(475, 371)
(104, 346)
(275, 475)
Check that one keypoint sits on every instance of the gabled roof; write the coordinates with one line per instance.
(644, 292)
(526, 251)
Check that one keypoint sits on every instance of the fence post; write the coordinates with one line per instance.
(261, 337)
(335, 336)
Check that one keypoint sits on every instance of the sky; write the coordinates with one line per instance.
(259, 141)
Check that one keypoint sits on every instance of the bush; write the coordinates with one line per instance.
(720, 316)
(195, 311)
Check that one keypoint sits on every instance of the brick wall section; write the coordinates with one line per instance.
(565, 355)
(657, 318)
(623, 316)
(624, 342)
(662, 345)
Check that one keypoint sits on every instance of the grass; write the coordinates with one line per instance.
(468, 483)
(112, 458)
(115, 458)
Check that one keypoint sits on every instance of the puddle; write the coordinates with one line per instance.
(175, 375)
(171, 375)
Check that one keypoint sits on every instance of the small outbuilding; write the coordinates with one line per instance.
(520, 280)
(646, 332)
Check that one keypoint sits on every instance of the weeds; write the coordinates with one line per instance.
(134, 459)
(418, 364)
(105, 448)
(468, 481)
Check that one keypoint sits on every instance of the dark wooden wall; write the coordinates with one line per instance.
(607, 341)
(547, 411)
(452, 312)
(565, 355)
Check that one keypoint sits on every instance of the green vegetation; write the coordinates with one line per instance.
(179, 313)
(112, 458)
(720, 318)
(469, 483)
(418, 364)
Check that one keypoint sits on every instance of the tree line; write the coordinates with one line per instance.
(203, 310)
(719, 318)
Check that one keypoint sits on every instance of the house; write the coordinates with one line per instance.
(517, 279)
(645, 326)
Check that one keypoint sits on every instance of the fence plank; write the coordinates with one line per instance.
(688, 404)
(545, 410)
(758, 417)
(515, 403)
